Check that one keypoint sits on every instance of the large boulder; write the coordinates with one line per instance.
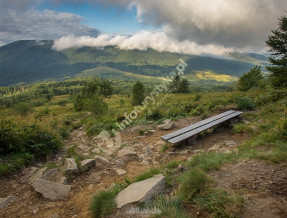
(88, 163)
(141, 191)
(51, 190)
(71, 167)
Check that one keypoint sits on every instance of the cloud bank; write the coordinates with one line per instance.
(143, 40)
(241, 24)
(236, 23)
(19, 20)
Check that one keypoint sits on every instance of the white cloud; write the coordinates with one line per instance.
(20, 21)
(143, 40)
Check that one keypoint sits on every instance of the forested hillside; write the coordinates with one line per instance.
(29, 61)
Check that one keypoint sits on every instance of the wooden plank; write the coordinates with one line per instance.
(196, 125)
(189, 134)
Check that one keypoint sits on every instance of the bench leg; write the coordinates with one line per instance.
(192, 141)
(232, 122)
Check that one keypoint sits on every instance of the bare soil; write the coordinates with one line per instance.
(262, 184)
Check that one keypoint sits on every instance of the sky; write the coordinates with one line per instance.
(184, 26)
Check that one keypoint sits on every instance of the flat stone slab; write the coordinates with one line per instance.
(102, 159)
(121, 172)
(141, 191)
(126, 153)
(4, 202)
(71, 166)
(51, 190)
(39, 174)
(89, 163)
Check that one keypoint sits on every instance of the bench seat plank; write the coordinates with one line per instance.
(189, 134)
(196, 125)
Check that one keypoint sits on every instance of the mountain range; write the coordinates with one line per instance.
(29, 61)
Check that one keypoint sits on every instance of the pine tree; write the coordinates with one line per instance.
(277, 43)
(138, 93)
(250, 79)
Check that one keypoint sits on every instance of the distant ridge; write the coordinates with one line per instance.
(28, 61)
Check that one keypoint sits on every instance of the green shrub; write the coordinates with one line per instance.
(154, 115)
(283, 129)
(141, 132)
(245, 104)
(197, 97)
(26, 142)
(62, 103)
(22, 108)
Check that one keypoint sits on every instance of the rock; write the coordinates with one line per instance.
(145, 163)
(4, 202)
(88, 163)
(121, 172)
(108, 152)
(51, 190)
(198, 151)
(96, 150)
(230, 143)
(269, 152)
(51, 175)
(63, 180)
(39, 174)
(71, 166)
(141, 156)
(225, 150)
(184, 152)
(166, 121)
(152, 130)
(141, 191)
(180, 168)
(151, 146)
(95, 177)
(126, 153)
(246, 121)
(102, 159)
(147, 151)
(190, 158)
(214, 148)
(167, 126)
(90, 187)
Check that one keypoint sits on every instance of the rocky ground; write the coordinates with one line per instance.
(58, 189)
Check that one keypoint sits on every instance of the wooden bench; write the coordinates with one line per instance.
(189, 132)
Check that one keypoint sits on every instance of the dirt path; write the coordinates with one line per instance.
(27, 203)
(263, 185)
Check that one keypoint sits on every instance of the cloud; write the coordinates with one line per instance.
(242, 24)
(143, 40)
(236, 23)
(20, 21)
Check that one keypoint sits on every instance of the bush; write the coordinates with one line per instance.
(16, 139)
(22, 108)
(245, 104)
(284, 129)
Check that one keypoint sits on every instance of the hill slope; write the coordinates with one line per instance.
(29, 61)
